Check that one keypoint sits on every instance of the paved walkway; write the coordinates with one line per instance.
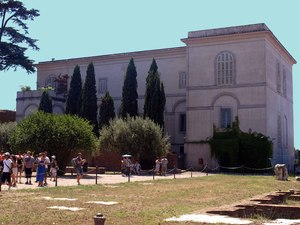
(89, 179)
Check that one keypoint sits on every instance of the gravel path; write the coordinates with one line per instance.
(89, 179)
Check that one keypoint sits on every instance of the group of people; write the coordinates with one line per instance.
(161, 166)
(128, 168)
(12, 167)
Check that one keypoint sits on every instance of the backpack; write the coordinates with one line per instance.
(73, 162)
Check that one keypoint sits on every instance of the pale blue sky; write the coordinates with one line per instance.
(68, 29)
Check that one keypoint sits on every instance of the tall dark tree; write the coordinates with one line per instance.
(106, 111)
(89, 99)
(149, 89)
(155, 99)
(129, 94)
(14, 40)
(73, 104)
(162, 104)
(45, 103)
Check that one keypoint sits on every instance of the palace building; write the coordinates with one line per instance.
(219, 74)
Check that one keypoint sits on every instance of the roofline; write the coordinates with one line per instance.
(119, 55)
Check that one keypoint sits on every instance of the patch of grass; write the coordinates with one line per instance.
(139, 204)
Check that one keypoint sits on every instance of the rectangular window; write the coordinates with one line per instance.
(225, 117)
(182, 122)
(182, 80)
(102, 85)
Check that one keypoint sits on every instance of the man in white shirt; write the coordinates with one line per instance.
(7, 166)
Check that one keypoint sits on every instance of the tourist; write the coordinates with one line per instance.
(157, 166)
(47, 166)
(14, 168)
(41, 169)
(20, 167)
(137, 167)
(28, 165)
(53, 168)
(79, 161)
(128, 166)
(6, 175)
(164, 166)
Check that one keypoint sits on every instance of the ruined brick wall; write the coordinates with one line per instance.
(7, 116)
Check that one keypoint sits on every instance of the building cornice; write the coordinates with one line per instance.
(231, 34)
(120, 56)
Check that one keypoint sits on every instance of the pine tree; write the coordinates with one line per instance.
(73, 104)
(129, 94)
(89, 99)
(155, 98)
(45, 103)
(14, 39)
(106, 111)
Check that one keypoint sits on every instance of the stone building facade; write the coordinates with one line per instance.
(220, 73)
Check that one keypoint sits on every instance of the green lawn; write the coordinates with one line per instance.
(139, 203)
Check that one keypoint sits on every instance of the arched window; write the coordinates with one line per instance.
(225, 68)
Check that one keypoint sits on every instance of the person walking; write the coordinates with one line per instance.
(79, 161)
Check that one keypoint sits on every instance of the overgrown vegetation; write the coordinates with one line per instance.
(141, 138)
(233, 147)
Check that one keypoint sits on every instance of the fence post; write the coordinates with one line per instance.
(56, 180)
(99, 219)
(206, 169)
(96, 174)
(153, 172)
(174, 172)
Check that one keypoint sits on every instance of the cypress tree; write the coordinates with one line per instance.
(149, 89)
(129, 94)
(106, 110)
(73, 104)
(89, 99)
(155, 98)
(162, 104)
(45, 103)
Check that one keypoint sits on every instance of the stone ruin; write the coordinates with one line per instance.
(281, 172)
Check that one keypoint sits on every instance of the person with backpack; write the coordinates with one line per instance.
(78, 163)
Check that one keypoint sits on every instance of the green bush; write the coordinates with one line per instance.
(141, 138)
(60, 135)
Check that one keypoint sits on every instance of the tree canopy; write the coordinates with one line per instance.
(60, 135)
(73, 104)
(129, 104)
(14, 35)
(106, 110)
(5, 131)
(141, 138)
